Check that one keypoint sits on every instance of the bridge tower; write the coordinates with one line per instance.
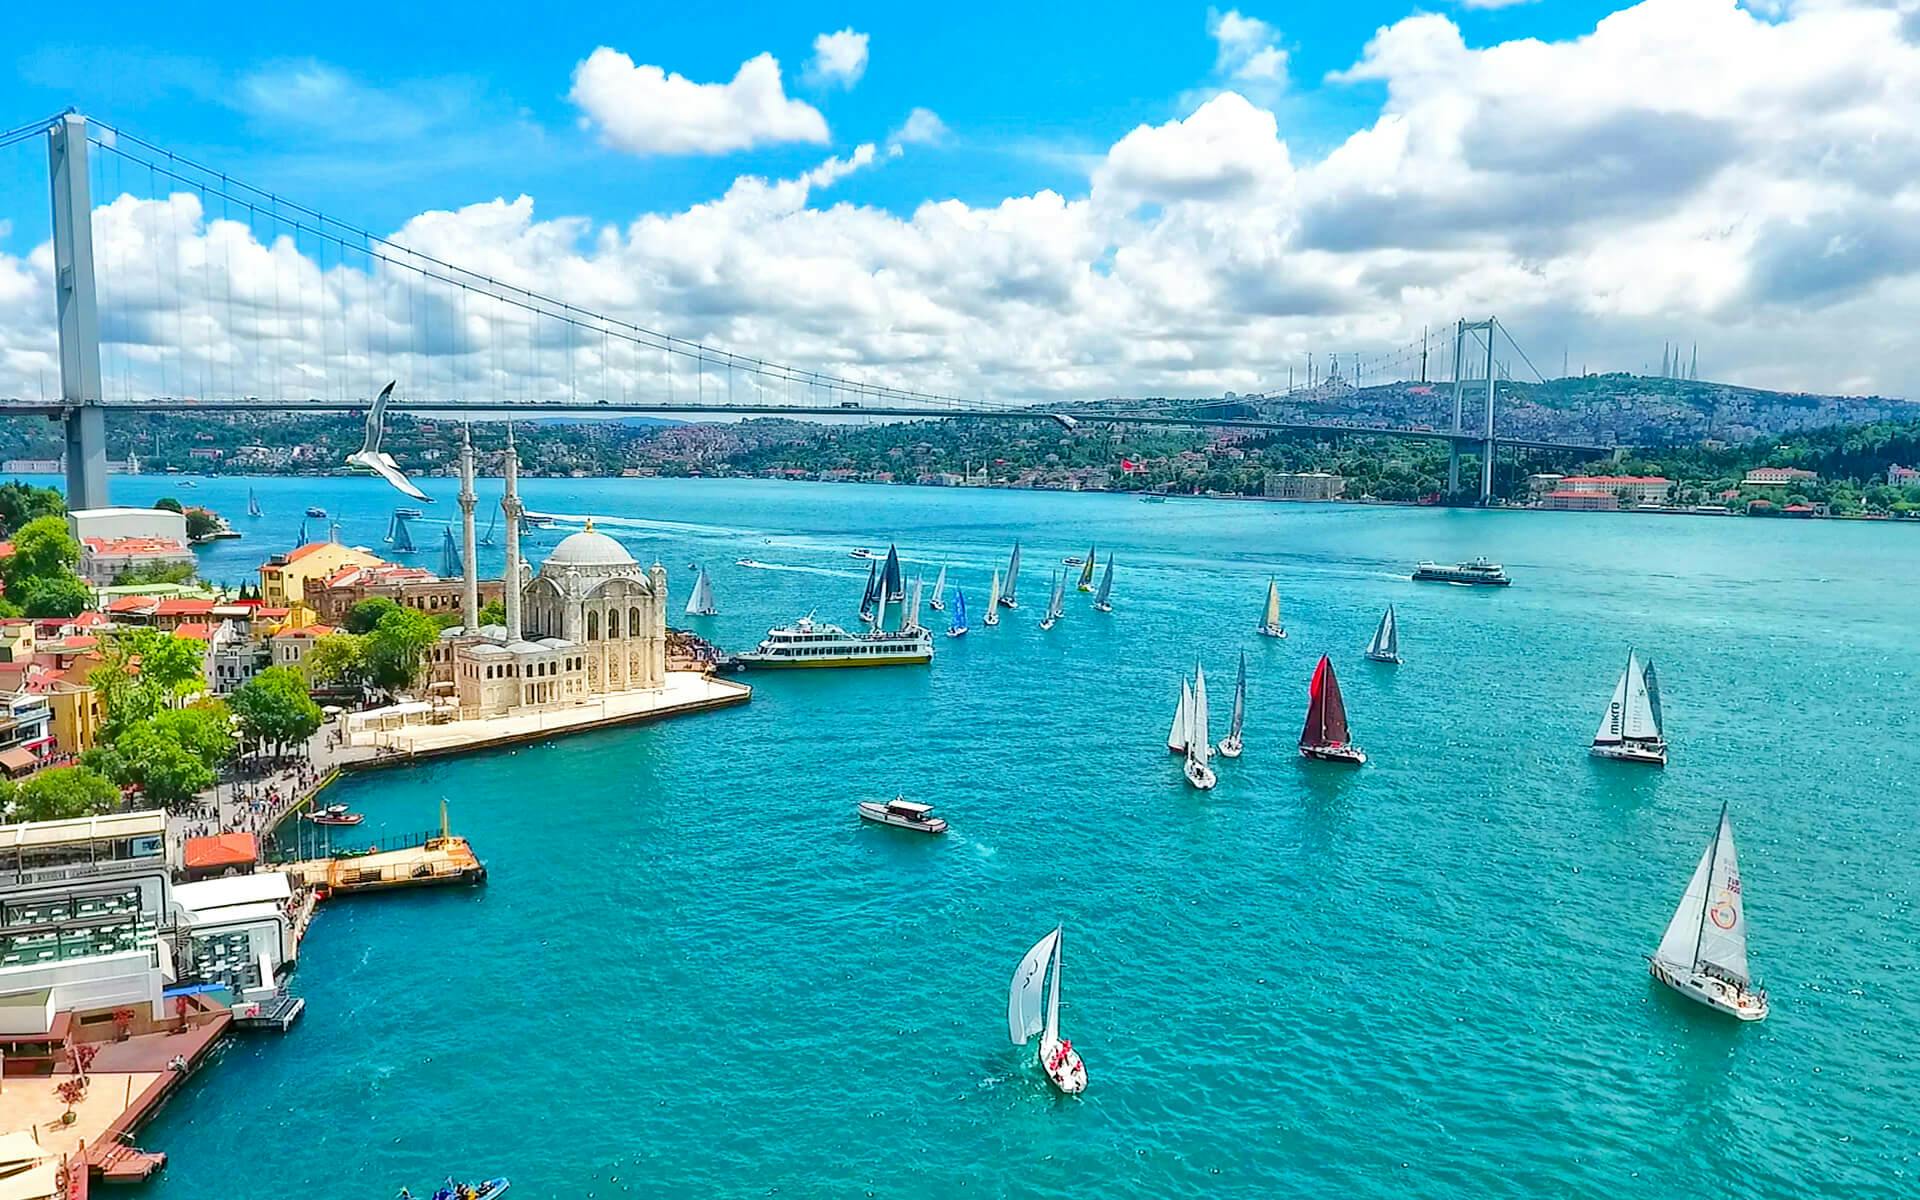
(77, 307)
(1487, 445)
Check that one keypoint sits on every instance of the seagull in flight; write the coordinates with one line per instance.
(373, 460)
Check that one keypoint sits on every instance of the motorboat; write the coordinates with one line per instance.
(745, 562)
(408, 514)
(860, 552)
(314, 510)
(902, 813)
(486, 1189)
(335, 814)
(1476, 571)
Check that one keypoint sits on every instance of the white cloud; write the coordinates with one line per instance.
(923, 127)
(1493, 3)
(1249, 49)
(1685, 169)
(645, 110)
(839, 59)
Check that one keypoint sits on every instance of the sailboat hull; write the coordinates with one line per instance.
(1201, 776)
(1230, 748)
(1047, 624)
(1379, 657)
(1069, 1076)
(1653, 754)
(1352, 756)
(990, 618)
(937, 605)
(1003, 602)
(1106, 608)
(1715, 993)
(1272, 631)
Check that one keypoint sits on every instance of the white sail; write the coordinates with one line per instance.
(1056, 605)
(1639, 723)
(1710, 926)
(911, 620)
(1272, 619)
(1200, 743)
(1178, 736)
(1386, 638)
(1051, 1033)
(700, 604)
(940, 587)
(1613, 722)
(993, 600)
(1239, 700)
(1029, 981)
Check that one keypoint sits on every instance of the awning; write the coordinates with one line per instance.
(220, 850)
(18, 760)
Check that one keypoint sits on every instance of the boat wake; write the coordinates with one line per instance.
(798, 569)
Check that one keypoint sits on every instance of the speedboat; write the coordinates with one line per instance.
(408, 513)
(903, 813)
(336, 814)
(486, 1189)
(861, 552)
(314, 510)
(745, 562)
(1074, 561)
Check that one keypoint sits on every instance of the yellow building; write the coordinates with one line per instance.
(283, 578)
(77, 716)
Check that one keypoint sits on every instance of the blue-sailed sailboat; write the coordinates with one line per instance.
(450, 567)
(957, 619)
(303, 535)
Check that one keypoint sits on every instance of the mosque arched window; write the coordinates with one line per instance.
(613, 622)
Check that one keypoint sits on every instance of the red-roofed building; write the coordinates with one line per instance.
(1630, 489)
(207, 857)
(1571, 501)
(1778, 477)
(290, 646)
(180, 610)
(102, 559)
(332, 595)
(199, 631)
(134, 610)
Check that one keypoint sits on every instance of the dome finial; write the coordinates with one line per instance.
(589, 524)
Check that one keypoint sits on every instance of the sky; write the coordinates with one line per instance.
(1020, 203)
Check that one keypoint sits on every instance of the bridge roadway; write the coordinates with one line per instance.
(1067, 415)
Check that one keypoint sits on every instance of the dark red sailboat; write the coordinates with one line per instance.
(1325, 735)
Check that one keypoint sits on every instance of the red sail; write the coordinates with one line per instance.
(1326, 712)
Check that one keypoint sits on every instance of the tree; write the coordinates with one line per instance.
(493, 612)
(65, 792)
(170, 504)
(71, 1092)
(174, 665)
(339, 659)
(274, 707)
(397, 647)
(161, 767)
(204, 730)
(201, 522)
(127, 698)
(22, 502)
(42, 549)
(362, 617)
(54, 596)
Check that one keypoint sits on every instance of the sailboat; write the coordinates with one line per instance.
(870, 599)
(910, 619)
(1008, 596)
(939, 601)
(1631, 730)
(893, 587)
(493, 519)
(1054, 604)
(1385, 646)
(1034, 1007)
(1230, 745)
(700, 604)
(1703, 954)
(1104, 601)
(1182, 720)
(449, 555)
(1086, 570)
(1270, 623)
(957, 619)
(1199, 738)
(399, 535)
(1325, 735)
(302, 537)
(992, 616)
(253, 504)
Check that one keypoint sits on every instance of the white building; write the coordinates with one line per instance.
(236, 930)
(82, 903)
(112, 524)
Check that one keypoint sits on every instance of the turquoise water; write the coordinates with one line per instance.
(695, 973)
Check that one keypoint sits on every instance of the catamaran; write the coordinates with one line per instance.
(939, 601)
(1325, 736)
(1385, 646)
(1230, 745)
(1270, 623)
(957, 619)
(1104, 601)
(1030, 996)
(253, 504)
(870, 599)
(1182, 720)
(992, 616)
(1055, 603)
(700, 604)
(1703, 954)
(1086, 571)
(1009, 597)
(1631, 729)
(1198, 770)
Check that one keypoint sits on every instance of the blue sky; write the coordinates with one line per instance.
(1024, 202)
(447, 110)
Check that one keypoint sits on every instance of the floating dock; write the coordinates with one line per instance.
(439, 860)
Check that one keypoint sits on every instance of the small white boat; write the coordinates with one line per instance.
(1703, 954)
(1270, 622)
(1104, 601)
(992, 615)
(1230, 745)
(860, 553)
(1199, 769)
(1631, 730)
(745, 562)
(1325, 736)
(1385, 646)
(1033, 1006)
(1056, 603)
(902, 813)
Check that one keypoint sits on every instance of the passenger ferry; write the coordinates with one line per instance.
(1477, 571)
(806, 644)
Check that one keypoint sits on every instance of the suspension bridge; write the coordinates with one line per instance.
(208, 294)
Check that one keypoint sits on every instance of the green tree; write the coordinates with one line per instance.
(493, 612)
(155, 572)
(22, 502)
(339, 659)
(397, 647)
(201, 522)
(66, 792)
(174, 665)
(42, 549)
(170, 504)
(125, 697)
(274, 707)
(362, 617)
(204, 730)
(160, 766)
(54, 596)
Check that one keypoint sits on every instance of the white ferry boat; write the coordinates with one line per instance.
(806, 644)
(1476, 571)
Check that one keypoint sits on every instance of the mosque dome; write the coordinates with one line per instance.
(588, 550)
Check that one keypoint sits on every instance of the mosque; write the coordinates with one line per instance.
(590, 624)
